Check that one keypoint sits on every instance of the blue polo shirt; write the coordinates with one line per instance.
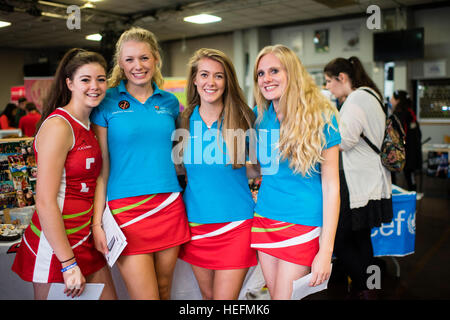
(139, 142)
(215, 192)
(283, 195)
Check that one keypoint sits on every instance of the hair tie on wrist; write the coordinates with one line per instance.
(67, 260)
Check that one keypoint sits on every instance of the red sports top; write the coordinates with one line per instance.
(35, 260)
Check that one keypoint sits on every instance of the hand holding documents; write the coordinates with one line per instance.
(115, 238)
(92, 291)
(302, 289)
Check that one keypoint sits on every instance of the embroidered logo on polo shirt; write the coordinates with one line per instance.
(124, 104)
(162, 110)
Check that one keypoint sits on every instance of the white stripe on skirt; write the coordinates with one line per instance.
(164, 204)
(292, 241)
(222, 230)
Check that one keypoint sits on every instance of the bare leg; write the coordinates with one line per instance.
(287, 273)
(165, 262)
(104, 276)
(219, 284)
(138, 273)
(269, 267)
(205, 280)
(41, 290)
(228, 283)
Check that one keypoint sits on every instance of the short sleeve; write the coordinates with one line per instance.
(175, 106)
(98, 116)
(332, 135)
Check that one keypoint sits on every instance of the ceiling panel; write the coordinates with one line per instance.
(163, 17)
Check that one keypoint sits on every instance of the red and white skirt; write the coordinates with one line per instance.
(151, 223)
(220, 246)
(35, 260)
(287, 241)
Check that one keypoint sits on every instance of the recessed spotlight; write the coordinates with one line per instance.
(89, 5)
(94, 37)
(203, 18)
(4, 24)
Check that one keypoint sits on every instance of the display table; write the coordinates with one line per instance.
(437, 159)
(10, 132)
(397, 238)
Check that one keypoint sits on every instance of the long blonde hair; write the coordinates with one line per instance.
(139, 35)
(236, 114)
(306, 111)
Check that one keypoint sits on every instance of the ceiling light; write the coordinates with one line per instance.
(53, 15)
(94, 37)
(202, 18)
(88, 5)
(4, 24)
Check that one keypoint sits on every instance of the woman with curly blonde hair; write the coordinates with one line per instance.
(298, 201)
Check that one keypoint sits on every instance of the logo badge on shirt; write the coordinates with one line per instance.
(124, 104)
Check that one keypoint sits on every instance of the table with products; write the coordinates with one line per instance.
(437, 160)
(397, 238)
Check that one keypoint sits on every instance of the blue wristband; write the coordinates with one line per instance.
(69, 267)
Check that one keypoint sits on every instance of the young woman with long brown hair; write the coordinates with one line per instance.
(217, 197)
(58, 245)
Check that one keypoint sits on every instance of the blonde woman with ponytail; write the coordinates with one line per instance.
(298, 148)
(138, 183)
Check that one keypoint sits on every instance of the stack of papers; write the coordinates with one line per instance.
(302, 289)
(115, 238)
(92, 291)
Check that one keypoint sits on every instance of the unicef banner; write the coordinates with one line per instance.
(398, 237)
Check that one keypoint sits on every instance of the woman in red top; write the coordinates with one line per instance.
(29, 121)
(58, 245)
(7, 116)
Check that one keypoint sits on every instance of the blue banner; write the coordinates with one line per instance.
(398, 237)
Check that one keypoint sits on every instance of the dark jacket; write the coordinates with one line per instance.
(413, 139)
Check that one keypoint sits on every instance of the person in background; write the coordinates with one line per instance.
(58, 245)
(29, 121)
(7, 117)
(365, 183)
(298, 200)
(403, 108)
(217, 197)
(20, 111)
(138, 182)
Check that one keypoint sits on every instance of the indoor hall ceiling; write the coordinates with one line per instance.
(42, 24)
